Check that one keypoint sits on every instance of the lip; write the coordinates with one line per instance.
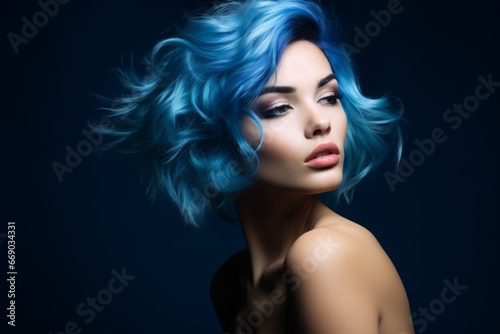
(328, 155)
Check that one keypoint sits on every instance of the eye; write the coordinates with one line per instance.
(276, 111)
(331, 99)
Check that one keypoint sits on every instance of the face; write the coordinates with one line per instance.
(304, 124)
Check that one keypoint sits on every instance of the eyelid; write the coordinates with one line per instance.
(329, 93)
(269, 104)
(271, 112)
(332, 86)
(335, 98)
(276, 106)
(333, 92)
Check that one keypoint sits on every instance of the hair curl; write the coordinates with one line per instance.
(185, 114)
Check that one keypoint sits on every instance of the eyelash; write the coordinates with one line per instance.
(281, 109)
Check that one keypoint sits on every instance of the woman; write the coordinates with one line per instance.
(254, 106)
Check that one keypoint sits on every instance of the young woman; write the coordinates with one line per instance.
(255, 106)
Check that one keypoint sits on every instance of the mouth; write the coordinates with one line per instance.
(323, 155)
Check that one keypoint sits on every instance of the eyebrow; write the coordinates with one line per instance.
(289, 89)
(326, 80)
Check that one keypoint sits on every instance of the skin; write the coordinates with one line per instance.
(329, 273)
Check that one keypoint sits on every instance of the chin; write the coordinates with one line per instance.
(324, 181)
(303, 182)
(324, 188)
(307, 186)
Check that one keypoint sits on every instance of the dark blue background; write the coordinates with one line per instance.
(439, 224)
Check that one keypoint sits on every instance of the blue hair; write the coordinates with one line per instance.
(185, 114)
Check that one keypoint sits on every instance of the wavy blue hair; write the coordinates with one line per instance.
(185, 114)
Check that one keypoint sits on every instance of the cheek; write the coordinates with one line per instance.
(280, 157)
(339, 127)
(281, 140)
(283, 132)
(251, 131)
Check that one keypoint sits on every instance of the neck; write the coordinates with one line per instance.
(271, 222)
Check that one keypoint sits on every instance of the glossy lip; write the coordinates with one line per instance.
(329, 159)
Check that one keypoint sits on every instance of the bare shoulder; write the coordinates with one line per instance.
(341, 267)
(342, 249)
(336, 236)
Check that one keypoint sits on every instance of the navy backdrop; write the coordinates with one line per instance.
(92, 234)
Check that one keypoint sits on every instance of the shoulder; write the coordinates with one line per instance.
(344, 276)
(343, 250)
(331, 242)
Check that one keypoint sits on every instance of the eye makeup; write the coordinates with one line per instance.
(276, 101)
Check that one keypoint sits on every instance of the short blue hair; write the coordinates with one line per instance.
(185, 114)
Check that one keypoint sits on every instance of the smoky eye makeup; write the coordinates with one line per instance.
(276, 111)
(271, 103)
(333, 90)
(271, 108)
(330, 93)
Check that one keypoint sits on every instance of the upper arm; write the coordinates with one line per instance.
(343, 282)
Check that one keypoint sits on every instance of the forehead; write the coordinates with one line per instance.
(301, 61)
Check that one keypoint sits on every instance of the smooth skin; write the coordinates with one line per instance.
(307, 270)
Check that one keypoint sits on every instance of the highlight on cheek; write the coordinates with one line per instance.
(251, 131)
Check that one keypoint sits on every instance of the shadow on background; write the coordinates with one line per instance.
(93, 253)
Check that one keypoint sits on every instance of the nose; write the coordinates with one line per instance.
(318, 124)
